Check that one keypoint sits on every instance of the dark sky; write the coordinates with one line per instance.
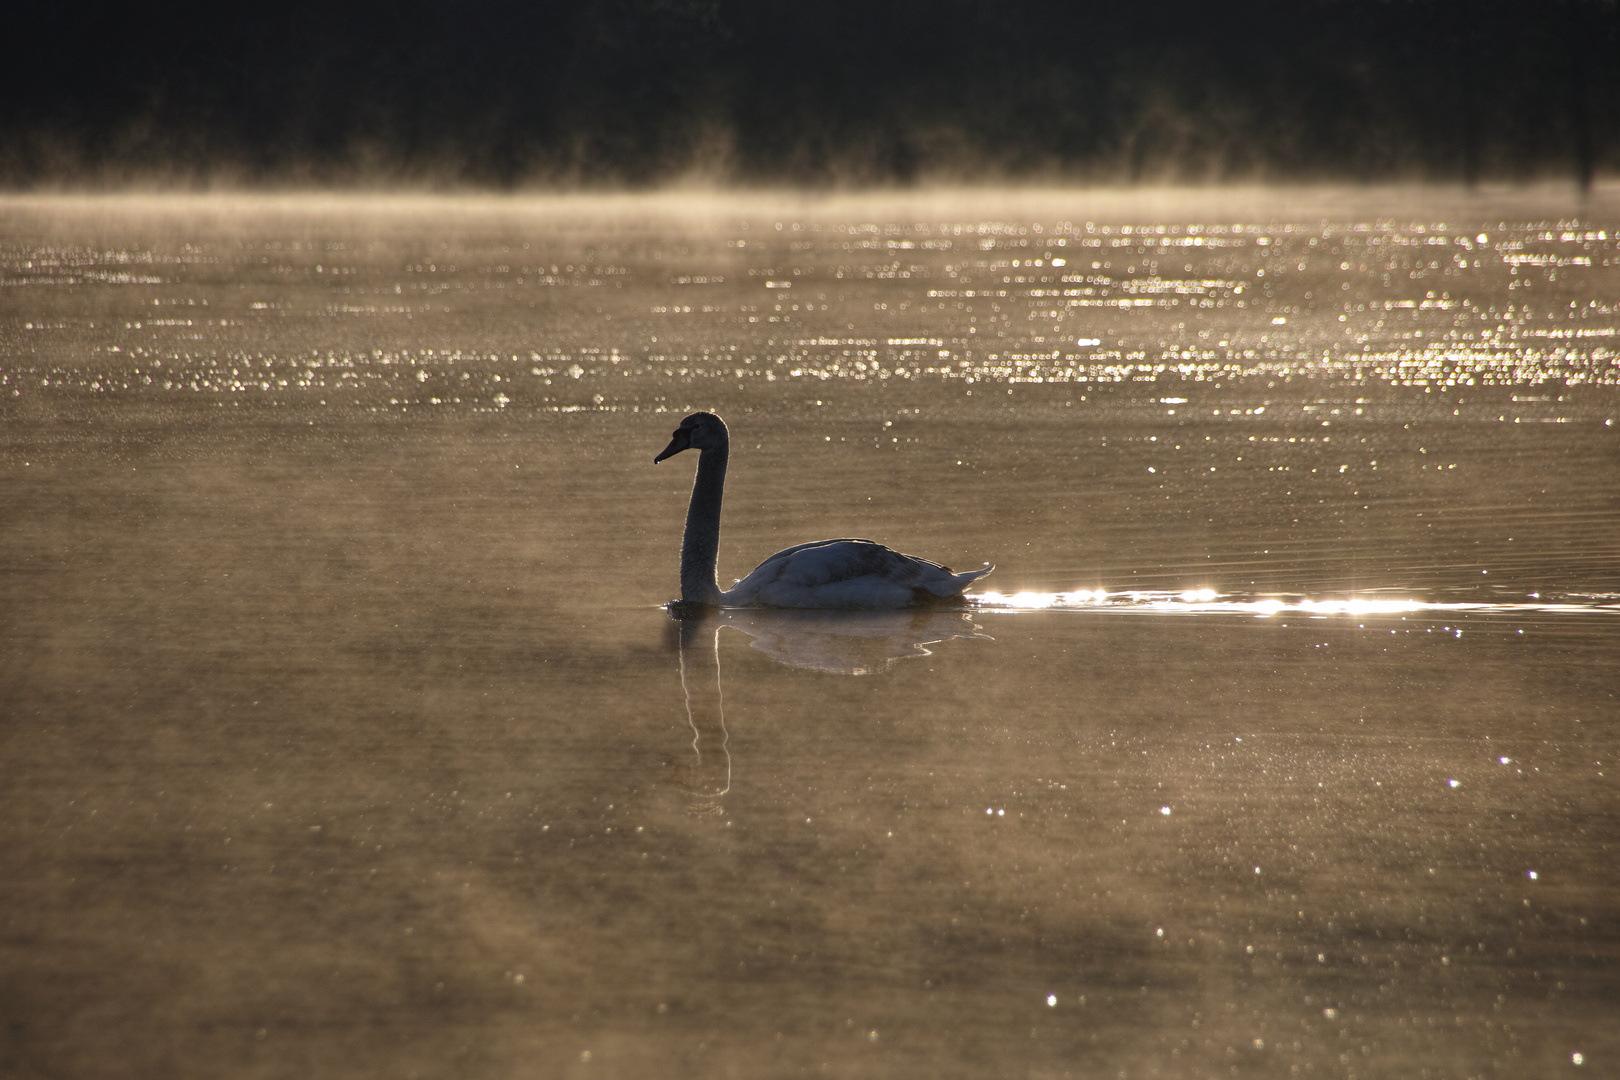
(501, 93)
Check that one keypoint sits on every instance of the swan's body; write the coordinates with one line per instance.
(823, 574)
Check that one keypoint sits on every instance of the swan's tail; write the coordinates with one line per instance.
(955, 584)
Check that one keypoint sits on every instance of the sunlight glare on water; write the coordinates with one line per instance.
(1207, 601)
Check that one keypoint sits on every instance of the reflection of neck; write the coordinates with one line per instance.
(700, 678)
(700, 547)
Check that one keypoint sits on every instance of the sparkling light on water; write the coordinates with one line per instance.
(1436, 305)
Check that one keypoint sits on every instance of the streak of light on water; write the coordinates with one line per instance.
(1209, 602)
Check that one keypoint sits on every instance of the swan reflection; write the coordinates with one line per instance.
(848, 642)
(839, 642)
(708, 774)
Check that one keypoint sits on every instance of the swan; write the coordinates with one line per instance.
(823, 574)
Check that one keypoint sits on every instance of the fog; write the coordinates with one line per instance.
(638, 93)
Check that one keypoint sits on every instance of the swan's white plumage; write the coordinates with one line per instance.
(845, 573)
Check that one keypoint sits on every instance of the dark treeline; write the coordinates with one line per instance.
(507, 93)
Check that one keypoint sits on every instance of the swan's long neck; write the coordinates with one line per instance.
(700, 547)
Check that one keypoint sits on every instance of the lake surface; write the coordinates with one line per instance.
(344, 731)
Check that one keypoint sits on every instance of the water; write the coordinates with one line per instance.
(344, 731)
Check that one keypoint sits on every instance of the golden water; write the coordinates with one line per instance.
(344, 733)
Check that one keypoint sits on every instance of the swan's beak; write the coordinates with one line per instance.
(680, 442)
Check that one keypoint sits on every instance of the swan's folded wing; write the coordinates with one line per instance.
(787, 553)
(847, 573)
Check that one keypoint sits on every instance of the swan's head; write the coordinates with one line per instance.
(700, 431)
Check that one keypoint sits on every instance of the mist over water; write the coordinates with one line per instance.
(643, 93)
(345, 731)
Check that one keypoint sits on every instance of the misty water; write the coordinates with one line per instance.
(345, 732)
